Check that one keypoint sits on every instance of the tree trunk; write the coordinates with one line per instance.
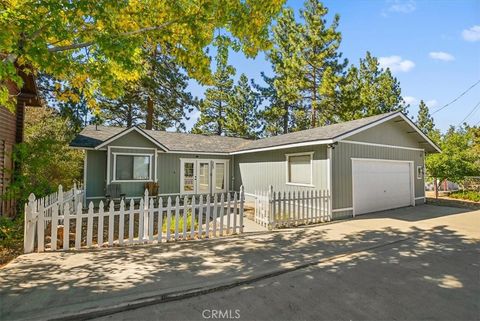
(149, 120)
(285, 118)
(129, 117)
(220, 119)
(314, 101)
(435, 186)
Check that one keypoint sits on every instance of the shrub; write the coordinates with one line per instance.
(466, 195)
(11, 238)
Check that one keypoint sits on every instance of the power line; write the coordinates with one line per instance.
(470, 113)
(460, 96)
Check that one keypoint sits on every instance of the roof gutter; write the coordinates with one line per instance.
(309, 143)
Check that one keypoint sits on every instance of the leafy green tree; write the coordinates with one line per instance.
(97, 45)
(457, 159)
(72, 107)
(369, 90)
(214, 108)
(242, 119)
(163, 89)
(46, 158)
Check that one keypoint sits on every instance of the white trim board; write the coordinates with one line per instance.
(345, 209)
(380, 145)
(310, 143)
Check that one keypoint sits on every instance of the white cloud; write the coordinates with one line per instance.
(401, 6)
(396, 63)
(432, 103)
(472, 34)
(440, 55)
(410, 100)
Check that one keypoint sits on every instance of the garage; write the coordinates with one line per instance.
(381, 184)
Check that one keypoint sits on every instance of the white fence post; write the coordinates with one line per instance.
(270, 213)
(242, 201)
(145, 215)
(60, 199)
(29, 227)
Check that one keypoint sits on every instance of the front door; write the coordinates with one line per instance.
(203, 176)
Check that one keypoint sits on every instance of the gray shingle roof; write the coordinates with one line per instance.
(314, 134)
(93, 136)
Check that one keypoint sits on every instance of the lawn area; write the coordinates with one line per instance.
(466, 195)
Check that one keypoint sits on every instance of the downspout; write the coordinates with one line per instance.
(330, 148)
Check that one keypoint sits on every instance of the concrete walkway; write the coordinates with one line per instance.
(56, 285)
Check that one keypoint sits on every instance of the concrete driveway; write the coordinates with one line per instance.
(411, 263)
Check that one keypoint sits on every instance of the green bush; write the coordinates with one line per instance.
(466, 195)
(11, 238)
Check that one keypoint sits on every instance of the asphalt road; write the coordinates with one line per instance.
(431, 274)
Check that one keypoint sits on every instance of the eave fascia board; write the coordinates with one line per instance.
(309, 143)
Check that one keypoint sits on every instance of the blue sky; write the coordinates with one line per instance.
(432, 47)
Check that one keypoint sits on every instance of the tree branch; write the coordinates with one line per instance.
(126, 34)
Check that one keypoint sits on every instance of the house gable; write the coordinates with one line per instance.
(389, 133)
(133, 139)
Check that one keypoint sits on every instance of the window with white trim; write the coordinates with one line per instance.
(132, 167)
(299, 168)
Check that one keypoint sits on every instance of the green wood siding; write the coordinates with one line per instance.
(257, 171)
(169, 170)
(342, 170)
(133, 139)
(96, 173)
(388, 133)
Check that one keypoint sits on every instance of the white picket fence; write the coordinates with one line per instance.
(285, 209)
(152, 220)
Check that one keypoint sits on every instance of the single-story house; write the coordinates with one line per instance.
(369, 164)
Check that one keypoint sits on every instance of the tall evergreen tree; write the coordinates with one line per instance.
(242, 119)
(158, 99)
(424, 119)
(308, 68)
(283, 91)
(213, 109)
(322, 67)
(369, 90)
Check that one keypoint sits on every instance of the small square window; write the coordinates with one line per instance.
(299, 169)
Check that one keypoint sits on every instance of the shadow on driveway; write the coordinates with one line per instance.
(39, 286)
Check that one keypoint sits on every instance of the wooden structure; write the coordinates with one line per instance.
(11, 133)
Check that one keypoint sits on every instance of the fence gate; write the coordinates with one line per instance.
(284, 209)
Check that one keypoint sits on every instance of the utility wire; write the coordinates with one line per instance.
(460, 96)
(470, 113)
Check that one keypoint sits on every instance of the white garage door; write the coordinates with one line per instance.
(380, 185)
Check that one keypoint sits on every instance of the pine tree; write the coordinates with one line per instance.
(322, 68)
(214, 107)
(424, 119)
(159, 99)
(242, 117)
(283, 91)
(369, 90)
